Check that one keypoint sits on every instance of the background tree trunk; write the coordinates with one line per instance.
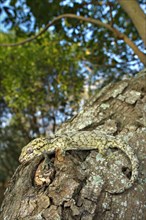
(137, 15)
(75, 186)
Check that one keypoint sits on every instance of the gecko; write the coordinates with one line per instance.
(82, 140)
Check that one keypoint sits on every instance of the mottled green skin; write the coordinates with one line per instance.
(81, 140)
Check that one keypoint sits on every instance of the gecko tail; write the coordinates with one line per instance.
(133, 179)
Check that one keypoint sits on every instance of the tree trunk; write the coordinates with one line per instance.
(137, 15)
(75, 186)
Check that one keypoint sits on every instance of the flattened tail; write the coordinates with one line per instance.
(134, 176)
(121, 190)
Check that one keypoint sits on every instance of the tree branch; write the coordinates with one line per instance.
(137, 16)
(117, 33)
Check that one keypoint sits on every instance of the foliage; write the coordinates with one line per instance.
(103, 50)
(38, 74)
(40, 86)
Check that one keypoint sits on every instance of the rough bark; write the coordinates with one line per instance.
(68, 188)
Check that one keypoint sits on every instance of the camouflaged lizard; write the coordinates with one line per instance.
(81, 140)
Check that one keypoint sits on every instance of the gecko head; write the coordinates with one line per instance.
(32, 149)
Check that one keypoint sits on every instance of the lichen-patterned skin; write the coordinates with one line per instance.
(81, 140)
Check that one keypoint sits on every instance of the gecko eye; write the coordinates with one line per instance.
(29, 151)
